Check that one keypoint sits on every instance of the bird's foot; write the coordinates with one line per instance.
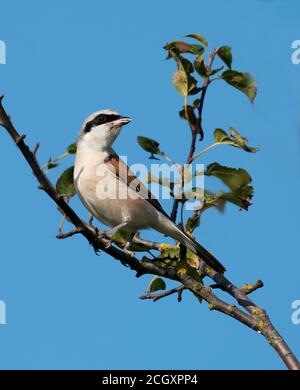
(127, 250)
(106, 238)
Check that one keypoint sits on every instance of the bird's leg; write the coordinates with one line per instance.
(107, 235)
(127, 245)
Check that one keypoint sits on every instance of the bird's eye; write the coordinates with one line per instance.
(102, 118)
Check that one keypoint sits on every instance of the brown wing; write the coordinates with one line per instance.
(127, 176)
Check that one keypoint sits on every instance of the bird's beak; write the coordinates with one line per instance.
(124, 120)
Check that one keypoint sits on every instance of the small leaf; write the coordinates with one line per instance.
(200, 67)
(241, 142)
(213, 200)
(173, 252)
(156, 284)
(196, 103)
(234, 139)
(180, 82)
(184, 83)
(237, 180)
(51, 164)
(224, 53)
(150, 145)
(199, 38)
(190, 113)
(242, 81)
(214, 71)
(71, 149)
(169, 251)
(183, 47)
(65, 183)
(232, 177)
(193, 222)
(221, 136)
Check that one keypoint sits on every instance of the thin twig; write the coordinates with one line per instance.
(247, 288)
(156, 297)
(198, 128)
(35, 149)
(71, 233)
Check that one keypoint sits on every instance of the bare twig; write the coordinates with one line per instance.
(250, 288)
(156, 297)
(247, 288)
(35, 149)
(71, 233)
(256, 318)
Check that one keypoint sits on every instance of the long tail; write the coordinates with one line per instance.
(200, 251)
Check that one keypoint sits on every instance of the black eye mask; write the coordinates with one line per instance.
(100, 120)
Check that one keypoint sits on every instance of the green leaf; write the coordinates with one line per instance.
(150, 145)
(180, 82)
(65, 183)
(51, 164)
(241, 142)
(156, 284)
(234, 139)
(213, 200)
(237, 180)
(221, 136)
(183, 47)
(224, 53)
(232, 177)
(173, 252)
(184, 83)
(242, 81)
(199, 38)
(71, 149)
(196, 103)
(190, 113)
(192, 223)
(200, 67)
(214, 71)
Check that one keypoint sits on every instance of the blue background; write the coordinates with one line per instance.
(68, 309)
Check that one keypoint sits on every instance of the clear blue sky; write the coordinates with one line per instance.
(67, 308)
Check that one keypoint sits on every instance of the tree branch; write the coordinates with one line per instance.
(255, 318)
(247, 288)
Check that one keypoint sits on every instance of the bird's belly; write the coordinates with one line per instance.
(104, 209)
(111, 204)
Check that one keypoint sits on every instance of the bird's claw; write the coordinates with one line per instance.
(107, 242)
(105, 235)
(127, 251)
(106, 238)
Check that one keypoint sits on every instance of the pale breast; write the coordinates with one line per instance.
(109, 199)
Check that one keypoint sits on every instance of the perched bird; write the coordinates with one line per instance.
(111, 192)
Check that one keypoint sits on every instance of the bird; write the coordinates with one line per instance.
(113, 194)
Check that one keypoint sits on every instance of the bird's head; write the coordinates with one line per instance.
(101, 128)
